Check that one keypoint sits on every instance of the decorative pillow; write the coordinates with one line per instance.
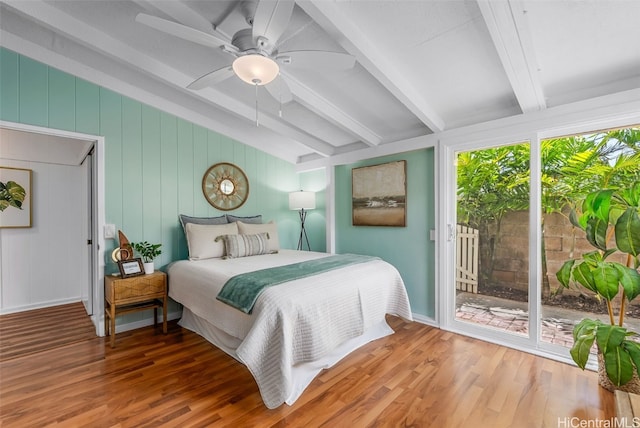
(201, 239)
(256, 219)
(245, 245)
(271, 228)
(184, 219)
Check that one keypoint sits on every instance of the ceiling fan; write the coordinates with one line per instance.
(257, 59)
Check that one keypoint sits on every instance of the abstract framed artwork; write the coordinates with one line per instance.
(15, 197)
(379, 194)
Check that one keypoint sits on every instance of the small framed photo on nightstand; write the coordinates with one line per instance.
(131, 267)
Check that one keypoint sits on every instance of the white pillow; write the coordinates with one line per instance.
(201, 239)
(270, 228)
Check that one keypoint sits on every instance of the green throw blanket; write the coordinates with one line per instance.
(242, 291)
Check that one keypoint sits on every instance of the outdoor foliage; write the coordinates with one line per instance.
(493, 182)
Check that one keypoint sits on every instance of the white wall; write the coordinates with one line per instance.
(46, 264)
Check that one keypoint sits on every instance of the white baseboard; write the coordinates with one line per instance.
(425, 320)
(40, 305)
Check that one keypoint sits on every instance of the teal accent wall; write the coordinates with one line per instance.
(154, 161)
(408, 248)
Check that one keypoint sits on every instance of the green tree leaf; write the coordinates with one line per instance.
(583, 338)
(564, 274)
(628, 232)
(630, 280)
(618, 365)
(596, 232)
(606, 279)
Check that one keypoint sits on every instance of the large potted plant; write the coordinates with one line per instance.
(611, 222)
(148, 252)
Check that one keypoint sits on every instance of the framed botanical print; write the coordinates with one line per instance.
(15, 197)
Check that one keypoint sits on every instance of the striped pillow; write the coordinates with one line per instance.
(246, 245)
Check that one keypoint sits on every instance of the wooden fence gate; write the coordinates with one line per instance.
(467, 248)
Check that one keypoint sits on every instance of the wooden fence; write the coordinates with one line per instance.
(467, 248)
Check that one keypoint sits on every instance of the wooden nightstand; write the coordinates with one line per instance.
(137, 293)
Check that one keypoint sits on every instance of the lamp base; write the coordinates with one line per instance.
(303, 232)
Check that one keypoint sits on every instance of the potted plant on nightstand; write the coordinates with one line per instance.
(148, 252)
(611, 222)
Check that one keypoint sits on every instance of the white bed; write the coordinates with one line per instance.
(297, 328)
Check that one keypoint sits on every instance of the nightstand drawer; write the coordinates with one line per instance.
(144, 285)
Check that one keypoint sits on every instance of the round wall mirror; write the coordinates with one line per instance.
(225, 186)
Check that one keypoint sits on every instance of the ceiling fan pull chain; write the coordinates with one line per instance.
(280, 94)
(256, 81)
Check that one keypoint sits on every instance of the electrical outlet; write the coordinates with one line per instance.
(109, 231)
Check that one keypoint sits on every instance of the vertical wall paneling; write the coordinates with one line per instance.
(132, 209)
(87, 107)
(34, 92)
(186, 179)
(168, 233)
(111, 129)
(200, 165)
(62, 100)
(9, 86)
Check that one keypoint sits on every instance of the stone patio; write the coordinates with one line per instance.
(512, 316)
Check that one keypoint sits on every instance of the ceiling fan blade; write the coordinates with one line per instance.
(271, 18)
(182, 31)
(212, 78)
(280, 90)
(317, 59)
(184, 15)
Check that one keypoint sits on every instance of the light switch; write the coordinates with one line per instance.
(432, 234)
(109, 231)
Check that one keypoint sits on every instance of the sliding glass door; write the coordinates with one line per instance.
(512, 203)
(492, 238)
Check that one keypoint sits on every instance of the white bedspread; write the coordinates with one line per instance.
(295, 322)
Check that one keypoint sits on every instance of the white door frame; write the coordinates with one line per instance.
(601, 117)
(98, 209)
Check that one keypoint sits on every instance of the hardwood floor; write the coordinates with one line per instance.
(418, 377)
(24, 333)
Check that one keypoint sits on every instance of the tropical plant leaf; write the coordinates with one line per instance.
(582, 274)
(618, 365)
(630, 280)
(633, 348)
(564, 274)
(602, 204)
(596, 232)
(628, 232)
(573, 218)
(11, 195)
(609, 336)
(583, 338)
(606, 279)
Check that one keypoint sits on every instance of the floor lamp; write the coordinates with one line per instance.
(302, 201)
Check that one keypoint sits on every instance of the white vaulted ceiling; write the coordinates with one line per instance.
(422, 67)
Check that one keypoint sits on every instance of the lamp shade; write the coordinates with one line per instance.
(256, 69)
(302, 200)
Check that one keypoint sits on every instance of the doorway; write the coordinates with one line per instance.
(68, 171)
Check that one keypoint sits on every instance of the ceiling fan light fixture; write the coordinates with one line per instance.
(256, 69)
